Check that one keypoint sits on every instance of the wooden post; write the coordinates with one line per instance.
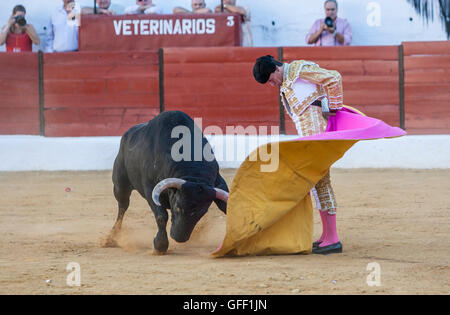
(401, 86)
(161, 79)
(41, 93)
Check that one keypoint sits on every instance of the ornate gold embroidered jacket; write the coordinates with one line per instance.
(305, 82)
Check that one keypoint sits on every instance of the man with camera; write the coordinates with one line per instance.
(331, 31)
(18, 34)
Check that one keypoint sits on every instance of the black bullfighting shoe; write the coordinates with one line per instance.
(330, 249)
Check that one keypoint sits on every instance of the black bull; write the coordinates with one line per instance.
(148, 163)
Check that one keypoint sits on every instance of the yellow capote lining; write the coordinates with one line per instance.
(271, 212)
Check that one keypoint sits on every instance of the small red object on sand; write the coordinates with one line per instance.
(68, 189)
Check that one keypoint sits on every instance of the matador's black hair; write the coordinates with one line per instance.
(264, 67)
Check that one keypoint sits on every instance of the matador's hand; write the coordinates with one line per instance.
(326, 115)
(326, 112)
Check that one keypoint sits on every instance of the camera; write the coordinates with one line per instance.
(20, 19)
(329, 22)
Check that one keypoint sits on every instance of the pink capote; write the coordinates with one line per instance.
(348, 124)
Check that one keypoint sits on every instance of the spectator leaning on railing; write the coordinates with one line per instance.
(104, 7)
(331, 31)
(62, 33)
(18, 34)
(198, 6)
(143, 7)
(230, 6)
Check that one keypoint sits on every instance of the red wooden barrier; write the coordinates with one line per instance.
(427, 87)
(99, 94)
(369, 75)
(104, 93)
(217, 85)
(19, 94)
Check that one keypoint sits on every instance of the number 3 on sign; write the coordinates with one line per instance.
(230, 21)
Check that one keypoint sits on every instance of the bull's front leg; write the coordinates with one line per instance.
(161, 241)
(122, 194)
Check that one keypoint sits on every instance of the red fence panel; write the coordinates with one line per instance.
(19, 94)
(427, 87)
(369, 76)
(99, 94)
(217, 85)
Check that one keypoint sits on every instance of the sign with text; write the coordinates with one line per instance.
(149, 32)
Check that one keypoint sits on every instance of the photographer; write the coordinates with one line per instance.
(17, 34)
(331, 31)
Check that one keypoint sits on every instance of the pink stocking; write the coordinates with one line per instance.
(331, 236)
(323, 218)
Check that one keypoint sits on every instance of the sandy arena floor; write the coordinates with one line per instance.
(399, 219)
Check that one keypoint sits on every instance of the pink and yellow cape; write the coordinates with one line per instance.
(271, 212)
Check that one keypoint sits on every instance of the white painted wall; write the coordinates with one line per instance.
(286, 22)
(32, 153)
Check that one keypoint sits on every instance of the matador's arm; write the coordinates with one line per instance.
(330, 80)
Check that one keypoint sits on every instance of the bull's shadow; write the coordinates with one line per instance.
(171, 164)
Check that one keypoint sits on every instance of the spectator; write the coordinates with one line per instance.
(17, 34)
(62, 33)
(198, 6)
(104, 7)
(338, 33)
(143, 7)
(230, 6)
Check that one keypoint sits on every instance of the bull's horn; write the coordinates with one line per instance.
(221, 194)
(163, 185)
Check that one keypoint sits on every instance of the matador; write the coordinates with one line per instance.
(310, 94)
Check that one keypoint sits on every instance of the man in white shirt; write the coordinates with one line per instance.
(143, 7)
(198, 6)
(104, 7)
(62, 33)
